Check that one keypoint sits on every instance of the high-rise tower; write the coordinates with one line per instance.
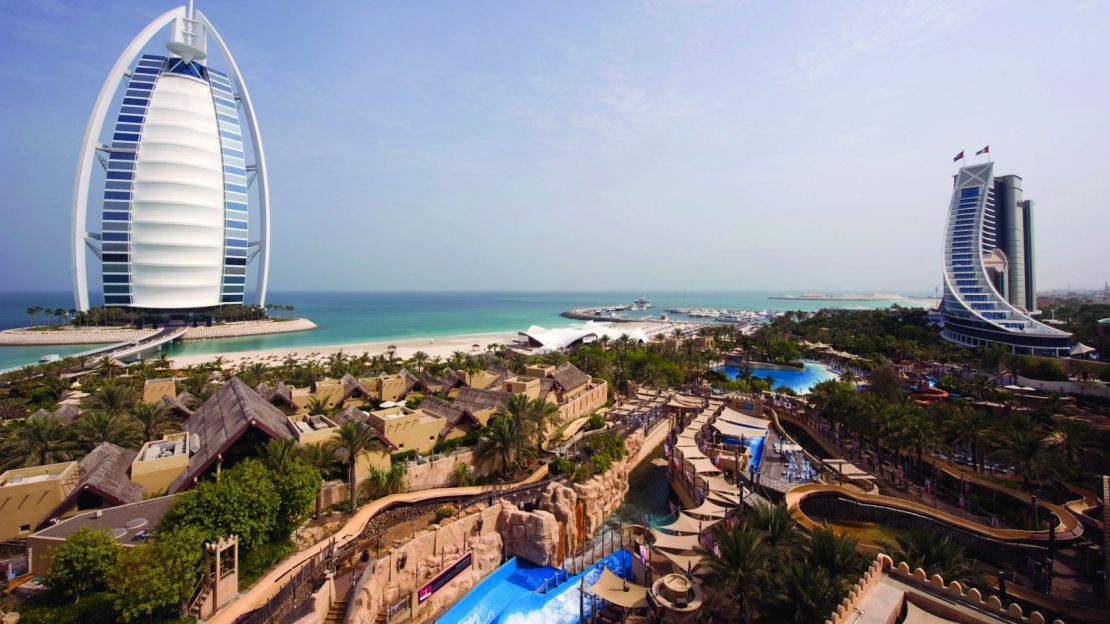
(179, 168)
(989, 287)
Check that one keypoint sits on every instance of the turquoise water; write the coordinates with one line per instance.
(509, 596)
(799, 381)
(351, 317)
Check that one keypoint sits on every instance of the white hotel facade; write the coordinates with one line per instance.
(184, 175)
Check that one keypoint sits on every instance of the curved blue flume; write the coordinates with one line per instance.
(798, 380)
(561, 606)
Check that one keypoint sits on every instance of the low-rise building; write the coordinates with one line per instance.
(158, 463)
(28, 495)
(103, 481)
(155, 389)
(408, 429)
(127, 524)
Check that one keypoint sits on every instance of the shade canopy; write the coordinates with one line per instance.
(758, 425)
(612, 588)
(675, 542)
(702, 465)
(684, 524)
(685, 563)
(708, 509)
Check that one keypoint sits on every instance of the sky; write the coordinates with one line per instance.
(667, 145)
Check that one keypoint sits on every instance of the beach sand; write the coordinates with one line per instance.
(442, 347)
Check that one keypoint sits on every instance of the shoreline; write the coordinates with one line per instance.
(441, 346)
(49, 337)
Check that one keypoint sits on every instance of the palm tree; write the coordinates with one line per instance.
(152, 419)
(975, 429)
(322, 457)
(542, 416)
(113, 399)
(836, 553)
(163, 362)
(1030, 456)
(354, 438)
(802, 592)
(317, 406)
(277, 453)
(1077, 439)
(933, 552)
(504, 445)
(419, 359)
(196, 382)
(107, 367)
(37, 441)
(94, 428)
(737, 566)
(776, 522)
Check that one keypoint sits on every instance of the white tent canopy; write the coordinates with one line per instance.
(557, 339)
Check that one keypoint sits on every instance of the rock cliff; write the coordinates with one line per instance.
(532, 536)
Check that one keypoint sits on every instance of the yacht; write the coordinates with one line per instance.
(642, 303)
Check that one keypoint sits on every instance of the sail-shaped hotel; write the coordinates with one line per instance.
(174, 143)
(990, 294)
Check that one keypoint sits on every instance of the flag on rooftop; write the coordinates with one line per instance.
(985, 150)
(958, 157)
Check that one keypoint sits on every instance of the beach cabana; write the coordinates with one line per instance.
(702, 465)
(757, 425)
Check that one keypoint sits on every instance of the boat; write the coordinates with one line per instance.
(642, 303)
(46, 359)
(662, 317)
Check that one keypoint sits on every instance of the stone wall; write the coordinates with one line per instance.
(425, 556)
(436, 473)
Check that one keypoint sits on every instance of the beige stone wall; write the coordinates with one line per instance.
(585, 402)
(436, 473)
(426, 556)
(532, 536)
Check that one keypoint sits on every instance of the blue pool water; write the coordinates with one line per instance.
(798, 380)
(508, 596)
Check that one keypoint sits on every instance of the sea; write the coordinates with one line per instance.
(354, 317)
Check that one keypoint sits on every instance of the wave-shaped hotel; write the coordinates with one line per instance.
(177, 165)
(990, 293)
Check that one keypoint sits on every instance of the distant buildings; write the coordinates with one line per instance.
(174, 230)
(990, 294)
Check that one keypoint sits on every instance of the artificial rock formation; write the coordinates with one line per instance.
(529, 535)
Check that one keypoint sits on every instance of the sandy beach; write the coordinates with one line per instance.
(442, 346)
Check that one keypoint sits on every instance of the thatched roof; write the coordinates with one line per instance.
(351, 385)
(439, 407)
(105, 471)
(171, 404)
(476, 400)
(66, 414)
(222, 420)
(568, 377)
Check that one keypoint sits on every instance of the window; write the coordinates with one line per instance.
(117, 299)
(117, 195)
(127, 155)
(235, 279)
(238, 253)
(137, 119)
(131, 101)
(142, 86)
(114, 236)
(231, 152)
(237, 188)
(232, 298)
(114, 227)
(114, 257)
(117, 205)
(969, 192)
(235, 170)
(135, 110)
(119, 185)
(128, 127)
(116, 216)
(233, 289)
(116, 279)
(120, 175)
(236, 261)
(231, 242)
(236, 225)
(23, 528)
(125, 136)
(117, 289)
(114, 247)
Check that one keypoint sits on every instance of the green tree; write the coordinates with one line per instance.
(505, 445)
(113, 398)
(153, 420)
(37, 441)
(354, 439)
(1032, 458)
(96, 428)
(155, 575)
(776, 522)
(244, 502)
(933, 552)
(801, 592)
(737, 566)
(298, 487)
(82, 563)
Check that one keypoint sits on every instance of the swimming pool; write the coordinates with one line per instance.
(800, 380)
(509, 596)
